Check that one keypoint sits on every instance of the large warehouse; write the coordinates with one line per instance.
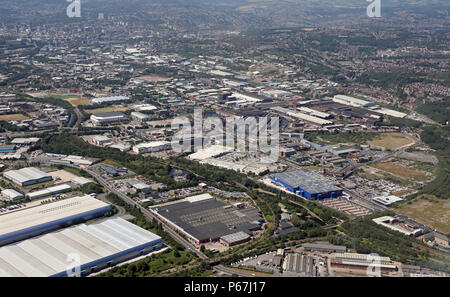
(27, 176)
(307, 184)
(155, 146)
(203, 218)
(28, 222)
(49, 191)
(101, 100)
(108, 118)
(98, 246)
(12, 195)
(302, 116)
(347, 100)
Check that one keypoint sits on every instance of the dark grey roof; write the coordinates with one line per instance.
(207, 219)
(286, 228)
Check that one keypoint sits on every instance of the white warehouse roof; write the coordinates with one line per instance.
(26, 174)
(49, 191)
(198, 198)
(210, 152)
(95, 243)
(314, 112)
(110, 99)
(81, 180)
(152, 144)
(302, 116)
(47, 213)
(387, 200)
(145, 107)
(24, 140)
(12, 194)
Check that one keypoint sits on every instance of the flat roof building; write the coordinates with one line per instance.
(314, 112)
(298, 263)
(82, 181)
(49, 191)
(203, 218)
(393, 224)
(28, 222)
(27, 176)
(155, 146)
(98, 246)
(101, 100)
(101, 140)
(25, 141)
(308, 184)
(210, 152)
(302, 116)
(145, 108)
(235, 238)
(361, 262)
(347, 100)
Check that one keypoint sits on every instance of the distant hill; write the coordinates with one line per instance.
(228, 14)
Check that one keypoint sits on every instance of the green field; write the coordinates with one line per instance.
(392, 141)
(106, 109)
(13, 117)
(430, 211)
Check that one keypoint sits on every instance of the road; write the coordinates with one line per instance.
(231, 271)
(188, 245)
(148, 215)
(78, 122)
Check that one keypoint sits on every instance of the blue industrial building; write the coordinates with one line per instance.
(7, 148)
(308, 184)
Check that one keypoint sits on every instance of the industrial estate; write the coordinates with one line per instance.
(207, 140)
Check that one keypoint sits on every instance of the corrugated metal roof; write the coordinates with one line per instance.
(109, 99)
(49, 254)
(47, 213)
(81, 180)
(49, 191)
(25, 174)
(11, 193)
